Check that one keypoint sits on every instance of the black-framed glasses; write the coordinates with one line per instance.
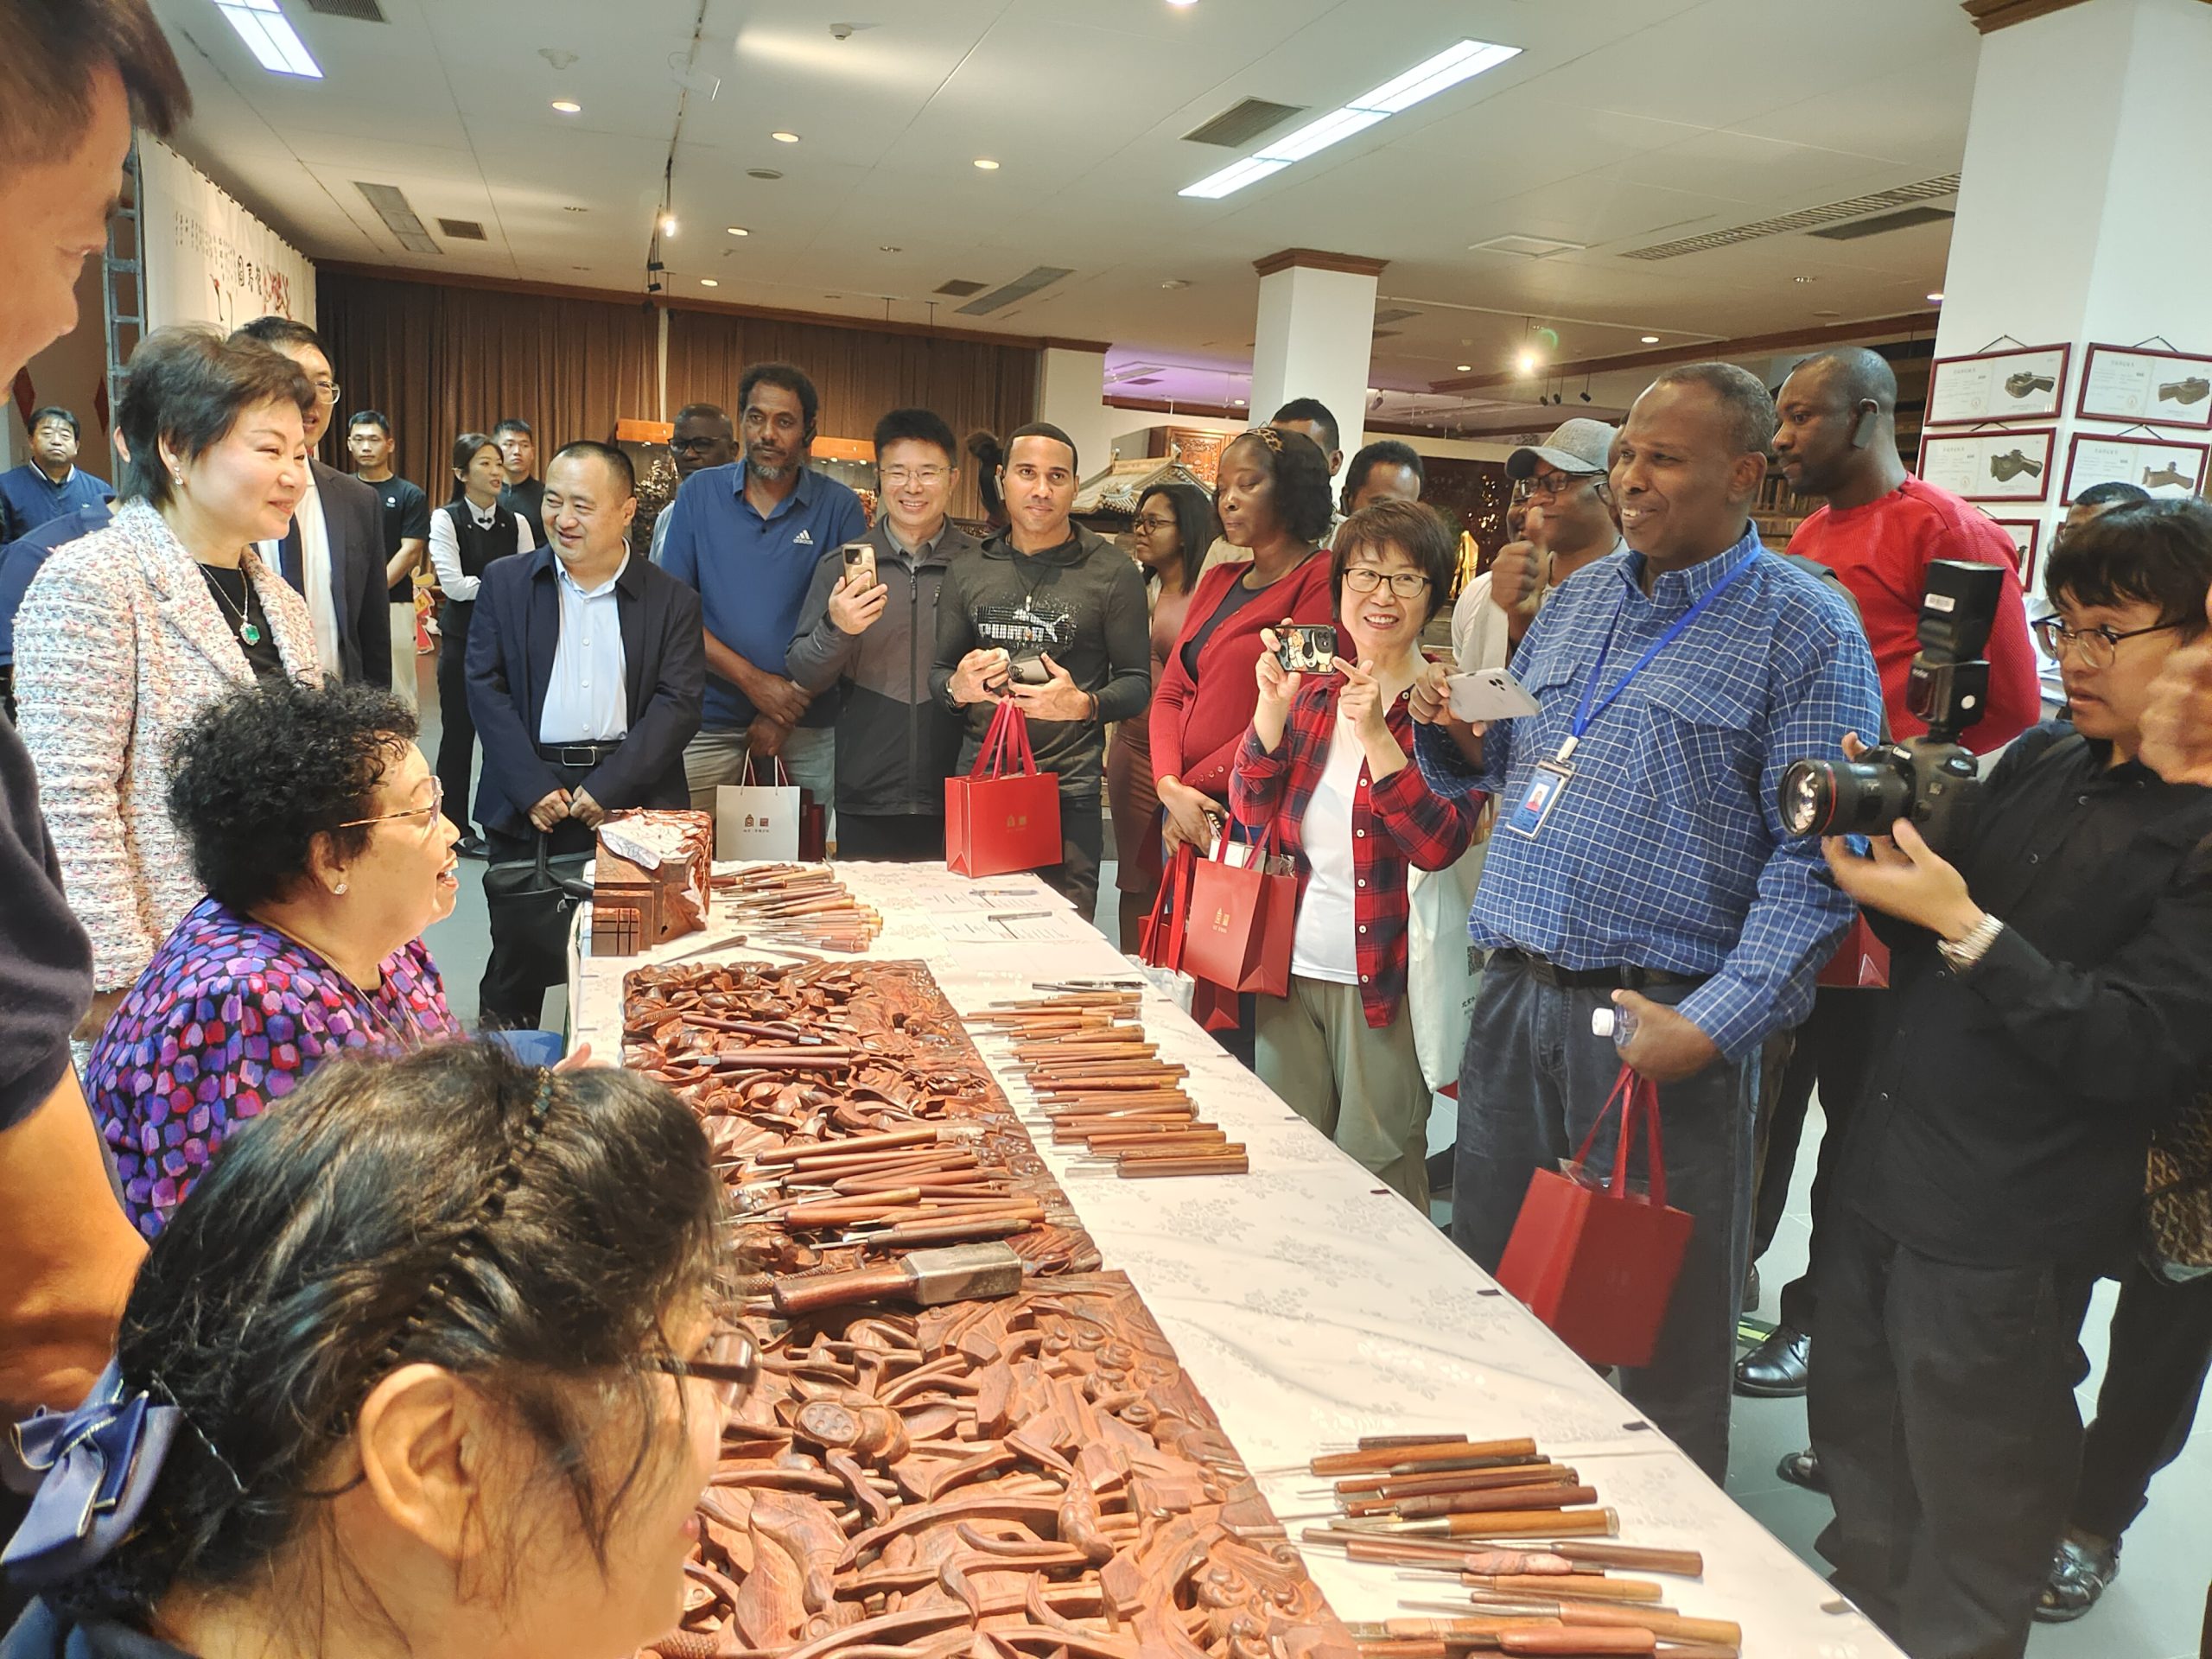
(1550, 485)
(1146, 522)
(2099, 646)
(731, 1367)
(1406, 584)
(685, 446)
(432, 808)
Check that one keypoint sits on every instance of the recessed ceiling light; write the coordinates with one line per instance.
(1936, 299)
(568, 106)
(1804, 279)
(1176, 282)
(710, 282)
(739, 230)
(885, 247)
(1651, 340)
(1236, 402)
(785, 137)
(1425, 80)
(269, 37)
(986, 164)
(1183, 3)
(1463, 368)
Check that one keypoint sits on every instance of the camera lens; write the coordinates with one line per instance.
(1863, 798)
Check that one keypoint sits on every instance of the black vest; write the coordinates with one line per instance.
(480, 547)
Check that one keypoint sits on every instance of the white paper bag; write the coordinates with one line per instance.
(758, 821)
(1441, 978)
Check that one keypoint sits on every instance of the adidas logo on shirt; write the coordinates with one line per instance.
(804, 538)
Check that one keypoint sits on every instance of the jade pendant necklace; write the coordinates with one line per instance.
(249, 631)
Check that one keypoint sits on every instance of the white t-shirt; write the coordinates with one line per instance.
(1326, 945)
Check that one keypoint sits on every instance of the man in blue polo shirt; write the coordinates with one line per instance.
(748, 536)
(48, 485)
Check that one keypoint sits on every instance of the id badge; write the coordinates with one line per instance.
(1542, 793)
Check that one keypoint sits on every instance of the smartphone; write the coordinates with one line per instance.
(1306, 648)
(1028, 668)
(860, 566)
(1489, 694)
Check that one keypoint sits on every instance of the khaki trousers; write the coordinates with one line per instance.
(1361, 1087)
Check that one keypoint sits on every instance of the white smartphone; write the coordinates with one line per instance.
(1489, 694)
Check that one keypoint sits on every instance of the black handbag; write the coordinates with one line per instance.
(532, 903)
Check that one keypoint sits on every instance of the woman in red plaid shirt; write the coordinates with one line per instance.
(1327, 769)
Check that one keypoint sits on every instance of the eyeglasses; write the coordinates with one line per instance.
(684, 446)
(731, 1367)
(1146, 521)
(436, 802)
(899, 477)
(1365, 579)
(1551, 485)
(2099, 646)
(326, 389)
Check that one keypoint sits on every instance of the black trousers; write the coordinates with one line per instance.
(1942, 1410)
(891, 837)
(1832, 1050)
(456, 731)
(1083, 849)
(2158, 1350)
(512, 994)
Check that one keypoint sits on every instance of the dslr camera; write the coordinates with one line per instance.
(1931, 779)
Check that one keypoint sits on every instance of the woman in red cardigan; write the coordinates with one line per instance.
(1327, 767)
(1273, 497)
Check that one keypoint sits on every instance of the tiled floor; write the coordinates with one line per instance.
(2153, 1612)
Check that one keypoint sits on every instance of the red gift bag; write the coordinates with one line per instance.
(1160, 939)
(1593, 1261)
(1861, 962)
(1005, 814)
(1241, 924)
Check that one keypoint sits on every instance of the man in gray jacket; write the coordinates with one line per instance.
(875, 630)
(1053, 618)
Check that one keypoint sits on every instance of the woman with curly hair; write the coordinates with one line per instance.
(317, 829)
(413, 1370)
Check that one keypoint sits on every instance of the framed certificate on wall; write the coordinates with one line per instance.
(2127, 383)
(1990, 466)
(2167, 467)
(2027, 542)
(2025, 384)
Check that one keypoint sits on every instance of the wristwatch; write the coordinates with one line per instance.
(1964, 953)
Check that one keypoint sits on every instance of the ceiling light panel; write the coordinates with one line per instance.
(1424, 81)
(269, 37)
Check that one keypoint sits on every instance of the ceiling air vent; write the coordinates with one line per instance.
(960, 289)
(361, 11)
(1397, 314)
(463, 230)
(1241, 123)
(1020, 288)
(1145, 380)
(1528, 247)
(1834, 213)
(391, 206)
(1903, 218)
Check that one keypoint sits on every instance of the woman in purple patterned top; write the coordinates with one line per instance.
(316, 827)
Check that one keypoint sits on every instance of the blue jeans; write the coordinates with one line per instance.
(1532, 1082)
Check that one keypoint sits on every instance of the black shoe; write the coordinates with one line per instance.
(1804, 1469)
(1751, 1304)
(1777, 1369)
(2080, 1571)
(471, 847)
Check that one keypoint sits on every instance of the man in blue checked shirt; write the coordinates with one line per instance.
(1639, 859)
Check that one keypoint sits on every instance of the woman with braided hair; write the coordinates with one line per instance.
(410, 1370)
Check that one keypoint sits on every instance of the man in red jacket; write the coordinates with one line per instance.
(1877, 531)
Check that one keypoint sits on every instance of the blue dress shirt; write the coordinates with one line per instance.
(1667, 849)
(588, 699)
(28, 497)
(752, 573)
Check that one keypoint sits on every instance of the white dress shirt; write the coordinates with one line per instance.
(314, 573)
(445, 549)
(588, 699)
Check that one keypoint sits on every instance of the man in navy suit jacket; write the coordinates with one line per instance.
(585, 668)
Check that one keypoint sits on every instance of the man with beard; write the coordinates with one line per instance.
(703, 438)
(747, 536)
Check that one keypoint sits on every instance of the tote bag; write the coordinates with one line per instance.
(1004, 815)
(1242, 922)
(754, 820)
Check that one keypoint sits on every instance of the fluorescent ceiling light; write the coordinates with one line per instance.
(1424, 81)
(269, 36)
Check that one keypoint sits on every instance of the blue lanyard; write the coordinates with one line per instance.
(1588, 709)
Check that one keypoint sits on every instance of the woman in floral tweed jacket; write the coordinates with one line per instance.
(128, 633)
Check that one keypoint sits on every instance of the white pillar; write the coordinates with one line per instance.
(1072, 394)
(1315, 335)
(2080, 218)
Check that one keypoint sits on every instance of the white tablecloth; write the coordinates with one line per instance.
(1309, 1303)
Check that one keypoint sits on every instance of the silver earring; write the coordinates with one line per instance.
(341, 887)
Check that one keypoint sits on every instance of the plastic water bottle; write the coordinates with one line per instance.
(1619, 1024)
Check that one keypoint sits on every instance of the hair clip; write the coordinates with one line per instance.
(1268, 436)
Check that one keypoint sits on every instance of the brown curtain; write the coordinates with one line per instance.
(441, 361)
(862, 374)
